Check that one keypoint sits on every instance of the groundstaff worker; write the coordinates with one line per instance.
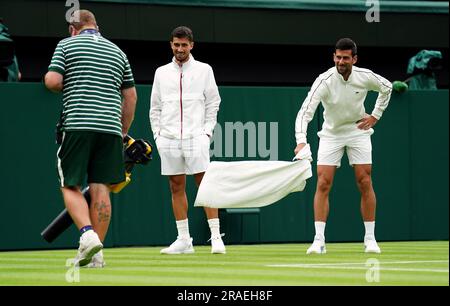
(99, 100)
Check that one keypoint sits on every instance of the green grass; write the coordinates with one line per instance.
(401, 263)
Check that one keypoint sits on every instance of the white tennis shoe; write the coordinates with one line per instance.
(217, 245)
(179, 246)
(97, 261)
(371, 246)
(90, 244)
(317, 247)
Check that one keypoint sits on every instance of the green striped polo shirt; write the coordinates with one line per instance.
(95, 70)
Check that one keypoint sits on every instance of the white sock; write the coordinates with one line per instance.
(370, 230)
(214, 225)
(183, 229)
(320, 230)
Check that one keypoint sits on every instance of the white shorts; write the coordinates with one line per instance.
(187, 156)
(359, 151)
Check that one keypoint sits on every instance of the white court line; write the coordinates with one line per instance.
(363, 263)
(348, 266)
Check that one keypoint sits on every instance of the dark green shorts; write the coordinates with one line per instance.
(92, 155)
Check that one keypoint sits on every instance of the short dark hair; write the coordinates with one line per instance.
(182, 32)
(346, 44)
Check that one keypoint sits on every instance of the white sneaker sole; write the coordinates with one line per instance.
(89, 254)
(324, 251)
(218, 251)
(167, 252)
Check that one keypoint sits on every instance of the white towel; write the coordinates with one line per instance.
(253, 183)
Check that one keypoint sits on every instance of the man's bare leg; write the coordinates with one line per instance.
(212, 214)
(325, 176)
(363, 175)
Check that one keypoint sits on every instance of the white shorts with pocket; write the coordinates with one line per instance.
(187, 156)
(358, 148)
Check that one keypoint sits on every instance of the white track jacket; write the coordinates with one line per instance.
(343, 102)
(184, 100)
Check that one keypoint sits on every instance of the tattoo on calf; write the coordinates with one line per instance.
(103, 211)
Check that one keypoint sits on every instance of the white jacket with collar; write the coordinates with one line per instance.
(343, 102)
(184, 100)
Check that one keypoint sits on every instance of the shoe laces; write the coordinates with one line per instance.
(216, 237)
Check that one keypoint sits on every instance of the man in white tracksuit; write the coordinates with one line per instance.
(184, 105)
(342, 91)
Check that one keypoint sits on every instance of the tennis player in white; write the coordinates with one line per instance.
(342, 90)
(183, 112)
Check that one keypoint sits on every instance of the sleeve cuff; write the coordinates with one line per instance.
(127, 85)
(301, 139)
(377, 114)
(56, 69)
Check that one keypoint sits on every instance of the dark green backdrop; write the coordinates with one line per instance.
(410, 174)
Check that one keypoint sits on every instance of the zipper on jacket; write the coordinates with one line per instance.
(181, 102)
